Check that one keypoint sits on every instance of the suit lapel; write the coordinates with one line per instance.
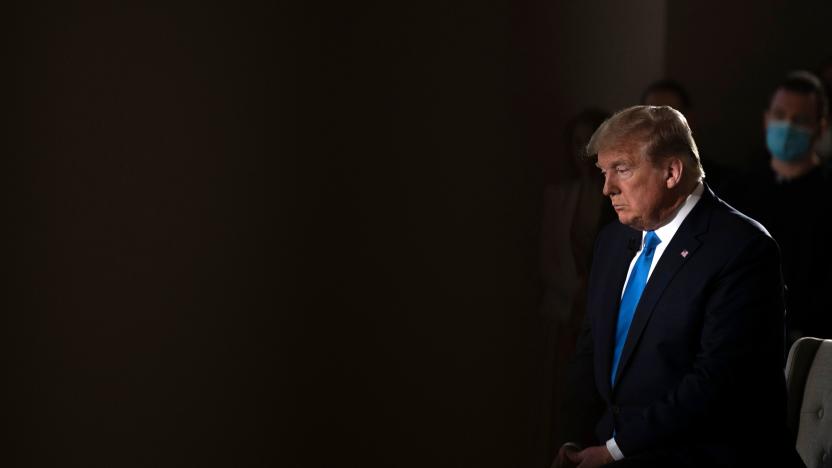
(680, 250)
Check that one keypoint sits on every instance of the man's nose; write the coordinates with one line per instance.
(609, 187)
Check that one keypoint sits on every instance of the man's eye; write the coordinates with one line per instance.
(622, 170)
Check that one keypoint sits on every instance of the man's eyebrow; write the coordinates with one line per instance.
(617, 162)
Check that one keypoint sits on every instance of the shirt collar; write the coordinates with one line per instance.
(667, 231)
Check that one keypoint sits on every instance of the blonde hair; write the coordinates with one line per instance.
(663, 129)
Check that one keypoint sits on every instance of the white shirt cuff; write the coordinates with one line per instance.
(614, 450)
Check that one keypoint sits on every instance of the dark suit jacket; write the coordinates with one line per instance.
(701, 372)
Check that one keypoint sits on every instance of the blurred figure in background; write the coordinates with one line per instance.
(668, 92)
(787, 191)
(824, 145)
(574, 209)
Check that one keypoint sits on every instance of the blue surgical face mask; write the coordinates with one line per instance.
(787, 142)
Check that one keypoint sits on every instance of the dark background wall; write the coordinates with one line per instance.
(268, 235)
(155, 235)
(590, 53)
(302, 234)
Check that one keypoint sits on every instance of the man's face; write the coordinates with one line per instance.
(796, 108)
(638, 189)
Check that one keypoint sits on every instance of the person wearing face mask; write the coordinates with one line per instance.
(794, 121)
(787, 194)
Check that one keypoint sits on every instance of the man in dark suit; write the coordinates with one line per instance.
(680, 360)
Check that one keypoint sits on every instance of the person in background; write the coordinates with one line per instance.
(573, 212)
(668, 92)
(823, 147)
(787, 191)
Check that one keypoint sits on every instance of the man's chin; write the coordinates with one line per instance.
(624, 219)
(634, 223)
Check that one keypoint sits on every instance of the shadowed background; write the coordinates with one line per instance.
(306, 234)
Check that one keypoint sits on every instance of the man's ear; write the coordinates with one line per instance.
(675, 168)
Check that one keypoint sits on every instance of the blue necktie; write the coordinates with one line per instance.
(632, 294)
